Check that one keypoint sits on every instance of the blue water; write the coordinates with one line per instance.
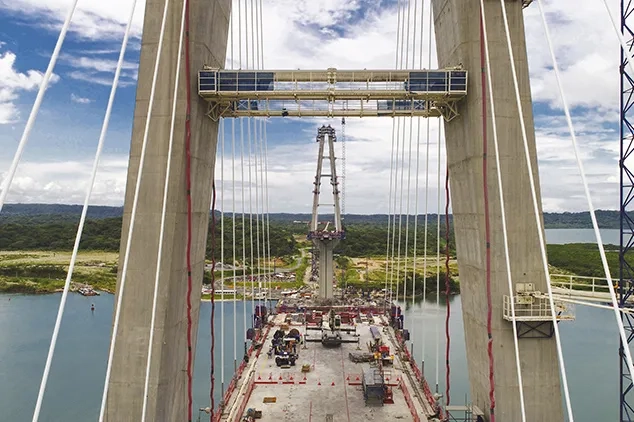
(79, 366)
(76, 380)
(562, 236)
(77, 374)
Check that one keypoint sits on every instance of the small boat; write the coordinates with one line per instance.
(88, 291)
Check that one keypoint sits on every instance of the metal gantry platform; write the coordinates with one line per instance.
(533, 314)
(332, 92)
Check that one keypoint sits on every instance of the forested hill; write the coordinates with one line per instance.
(47, 212)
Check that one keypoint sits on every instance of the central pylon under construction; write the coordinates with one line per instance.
(324, 239)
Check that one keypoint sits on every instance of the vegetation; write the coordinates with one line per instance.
(45, 272)
(607, 219)
(366, 240)
(57, 233)
(583, 259)
(37, 246)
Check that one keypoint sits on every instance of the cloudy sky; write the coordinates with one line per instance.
(297, 34)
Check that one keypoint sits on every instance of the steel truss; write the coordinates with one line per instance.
(333, 93)
(626, 256)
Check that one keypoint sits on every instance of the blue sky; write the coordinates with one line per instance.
(329, 33)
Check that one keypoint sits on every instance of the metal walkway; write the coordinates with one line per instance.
(333, 93)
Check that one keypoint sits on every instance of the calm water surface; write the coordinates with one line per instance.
(77, 374)
(76, 380)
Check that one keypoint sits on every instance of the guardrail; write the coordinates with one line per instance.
(582, 283)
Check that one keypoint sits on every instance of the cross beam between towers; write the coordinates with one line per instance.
(333, 93)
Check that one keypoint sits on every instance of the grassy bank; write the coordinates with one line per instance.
(35, 272)
(45, 271)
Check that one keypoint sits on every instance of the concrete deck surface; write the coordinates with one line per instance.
(331, 391)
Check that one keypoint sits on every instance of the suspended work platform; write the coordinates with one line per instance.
(332, 92)
(533, 314)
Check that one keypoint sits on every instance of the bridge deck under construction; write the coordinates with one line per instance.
(332, 389)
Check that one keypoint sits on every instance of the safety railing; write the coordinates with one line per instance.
(304, 82)
(535, 307)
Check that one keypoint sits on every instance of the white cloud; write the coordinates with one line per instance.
(587, 51)
(80, 100)
(67, 181)
(95, 79)
(99, 70)
(12, 82)
(93, 20)
(311, 39)
(96, 64)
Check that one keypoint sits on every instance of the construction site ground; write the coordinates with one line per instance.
(331, 390)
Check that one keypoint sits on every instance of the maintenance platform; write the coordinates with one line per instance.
(364, 375)
(332, 92)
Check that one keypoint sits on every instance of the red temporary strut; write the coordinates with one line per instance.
(487, 225)
(447, 285)
(189, 216)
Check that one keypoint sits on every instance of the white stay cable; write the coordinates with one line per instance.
(398, 140)
(626, 49)
(159, 254)
(264, 257)
(222, 255)
(133, 216)
(239, 36)
(540, 233)
(126, 256)
(439, 204)
(409, 180)
(233, 246)
(409, 165)
(409, 172)
(259, 25)
(389, 261)
(254, 50)
(233, 224)
(404, 53)
(251, 221)
(396, 194)
(259, 204)
(244, 240)
(244, 251)
(266, 171)
(255, 39)
(36, 106)
(82, 221)
(400, 215)
(257, 209)
(266, 202)
(595, 225)
(415, 254)
(502, 208)
(424, 332)
(261, 36)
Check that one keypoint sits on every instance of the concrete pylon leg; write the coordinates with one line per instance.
(457, 24)
(326, 267)
(209, 23)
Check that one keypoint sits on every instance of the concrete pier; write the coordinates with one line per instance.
(209, 22)
(326, 267)
(457, 24)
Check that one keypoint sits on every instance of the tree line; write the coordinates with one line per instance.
(607, 219)
(49, 232)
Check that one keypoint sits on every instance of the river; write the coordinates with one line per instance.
(76, 381)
